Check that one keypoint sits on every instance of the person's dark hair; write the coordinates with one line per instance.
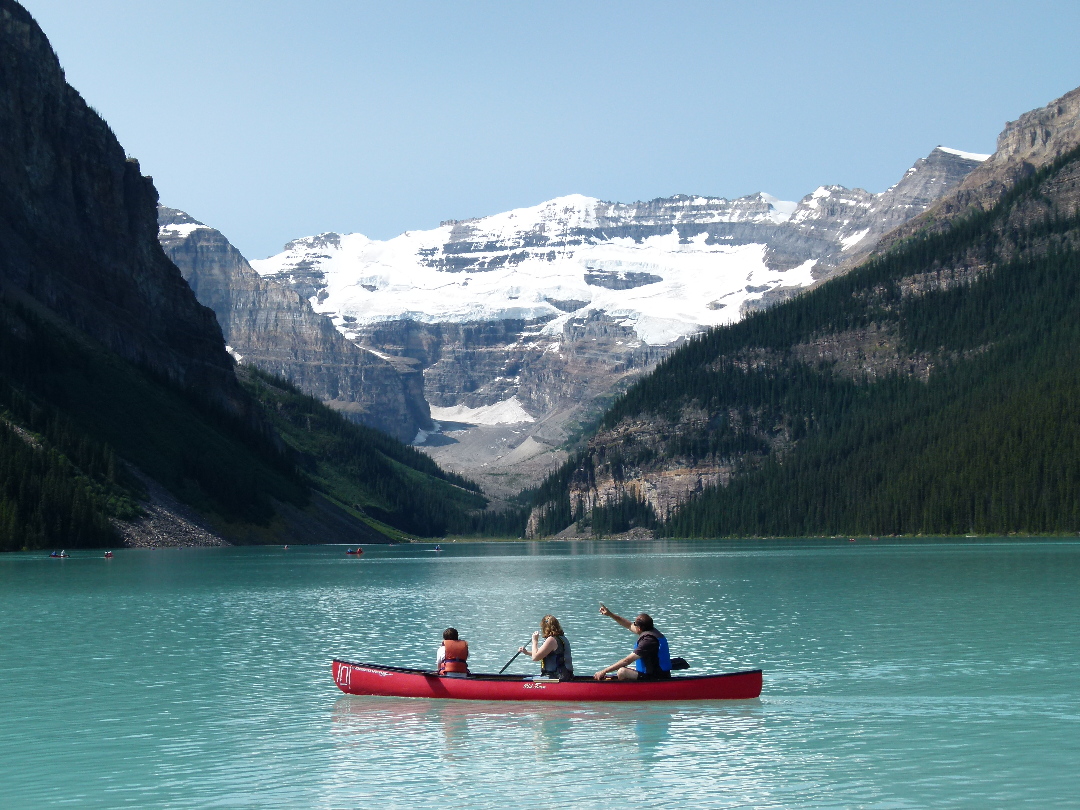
(644, 621)
(449, 634)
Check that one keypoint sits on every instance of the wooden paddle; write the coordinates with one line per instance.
(508, 663)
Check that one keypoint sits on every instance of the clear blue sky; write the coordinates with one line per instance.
(273, 119)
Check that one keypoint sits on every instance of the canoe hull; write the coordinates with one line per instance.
(373, 679)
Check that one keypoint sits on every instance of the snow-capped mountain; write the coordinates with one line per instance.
(527, 322)
(665, 268)
(569, 255)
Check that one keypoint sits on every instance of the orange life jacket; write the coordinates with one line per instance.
(455, 654)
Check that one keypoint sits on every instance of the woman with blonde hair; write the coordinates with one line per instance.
(554, 652)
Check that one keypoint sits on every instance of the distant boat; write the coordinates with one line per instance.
(355, 551)
(108, 555)
(60, 554)
(438, 548)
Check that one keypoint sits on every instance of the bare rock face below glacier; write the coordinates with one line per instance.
(526, 324)
(506, 394)
(274, 329)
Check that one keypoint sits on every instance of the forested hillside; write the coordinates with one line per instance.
(71, 410)
(934, 389)
(382, 481)
(73, 417)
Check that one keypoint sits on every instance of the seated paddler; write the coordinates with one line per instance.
(650, 657)
(554, 652)
(453, 654)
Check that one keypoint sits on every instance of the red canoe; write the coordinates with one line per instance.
(375, 679)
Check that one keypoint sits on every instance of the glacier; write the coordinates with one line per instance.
(528, 263)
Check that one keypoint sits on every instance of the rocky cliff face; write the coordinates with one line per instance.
(505, 394)
(931, 178)
(78, 230)
(481, 364)
(1029, 143)
(1025, 145)
(271, 327)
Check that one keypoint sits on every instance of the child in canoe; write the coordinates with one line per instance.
(453, 654)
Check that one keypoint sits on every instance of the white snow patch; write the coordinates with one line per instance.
(781, 209)
(854, 239)
(183, 230)
(965, 155)
(819, 193)
(507, 412)
(661, 331)
(378, 354)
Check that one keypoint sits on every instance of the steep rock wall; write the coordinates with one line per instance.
(271, 327)
(78, 227)
(1025, 145)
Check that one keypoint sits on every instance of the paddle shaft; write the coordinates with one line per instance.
(508, 663)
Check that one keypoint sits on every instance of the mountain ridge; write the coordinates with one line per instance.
(346, 275)
(1025, 145)
(96, 264)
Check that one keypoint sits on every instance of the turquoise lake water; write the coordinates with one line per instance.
(897, 674)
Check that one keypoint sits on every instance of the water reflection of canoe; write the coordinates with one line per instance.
(375, 679)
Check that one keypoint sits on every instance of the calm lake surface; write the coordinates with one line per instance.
(897, 674)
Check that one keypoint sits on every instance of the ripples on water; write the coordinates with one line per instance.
(896, 675)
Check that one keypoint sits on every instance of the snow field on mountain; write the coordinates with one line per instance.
(965, 155)
(507, 412)
(700, 284)
(180, 230)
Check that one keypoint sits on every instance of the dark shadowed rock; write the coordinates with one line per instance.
(78, 227)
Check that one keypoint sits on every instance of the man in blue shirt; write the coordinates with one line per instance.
(650, 657)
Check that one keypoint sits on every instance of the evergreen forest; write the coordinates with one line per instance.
(76, 422)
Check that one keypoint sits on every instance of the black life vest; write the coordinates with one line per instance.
(558, 663)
